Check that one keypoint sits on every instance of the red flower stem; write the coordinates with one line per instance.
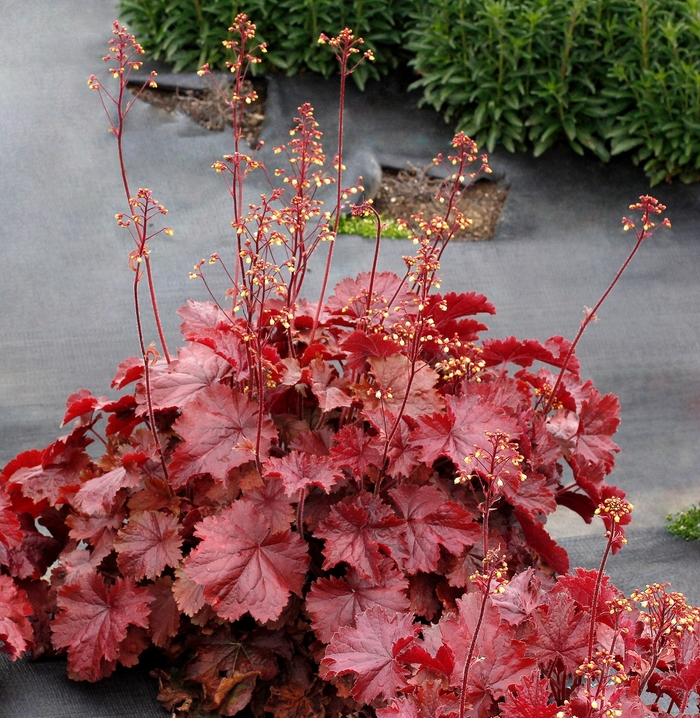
(589, 318)
(300, 512)
(146, 376)
(118, 131)
(375, 259)
(472, 648)
(596, 594)
(329, 259)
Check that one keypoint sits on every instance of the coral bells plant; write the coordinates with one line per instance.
(337, 507)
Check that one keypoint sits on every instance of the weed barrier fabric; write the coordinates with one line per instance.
(67, 318)
(42, 689)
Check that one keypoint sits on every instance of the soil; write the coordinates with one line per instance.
(402, 193)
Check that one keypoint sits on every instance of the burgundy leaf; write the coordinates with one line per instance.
(356, 529)
(93, 620)
(148, 543)
(394, 391)
(334, 602)
(164, 620)
(298, 470)
(543, 544)
(369, 650)
(431, 521)
(457, 431)
(128, 371)
(530, 698)
(360, 346)
(96, 496)
(16, 632)
(174, 385)
(354, 448)
(243, 567)
(220, 432)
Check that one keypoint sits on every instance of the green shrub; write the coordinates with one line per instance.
(686, 524)
(609, 75)
(367, 227)
(188, 32)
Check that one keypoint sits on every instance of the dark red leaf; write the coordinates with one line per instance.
(58, 470)
(128, 371)
(326, 387)
(354, 448)
(580, 503)
(520, 597)
(561, 633)
(243, 567)
(198, 317)
(527, 351)
(164, 620)
(502, 660)
(220, 432)
(334, 602)
(360, 346)
(395, 392)
(81, 403)
(93, 621)
(11, 535)
(356, 529)
(530, 698)
(16, 634)
(148, 543)
(272, 501)
(431, 522)
(455, 432)
(174, 385)
(350, 298)
(543, 544)
(299, 470)
(96, 496)
(369, 650)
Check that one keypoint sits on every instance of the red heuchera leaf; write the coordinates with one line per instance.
(16, 632)
(243, 567)
(11, 535)
(520, 597)
(96, 496)
(530, 698)
(400, 708)
(201, 316)
(219, 431)
(600, 417)
(360, 346)
(431, 521)
(188, 595)
(174, 385)
(356, 529)
(562, 633)
(164, 620)
(532, 496)
(580, 587)
(392, 384)
(128, 371)
(350, 298)
(148, 543)
(502, 658)
(93, 621)
(326, 387)
(543, 544)
(455, 432)
(580, 503)
(369, 650)
(59, 470)
(354, 448)
(525, 352)
(334, 602)
(271, 501)
(299, 470)
(81, 403)
(122, 416)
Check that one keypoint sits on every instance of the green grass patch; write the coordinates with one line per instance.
(685, 524)
(367, 227)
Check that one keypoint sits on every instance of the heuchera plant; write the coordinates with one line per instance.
(336, 507)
